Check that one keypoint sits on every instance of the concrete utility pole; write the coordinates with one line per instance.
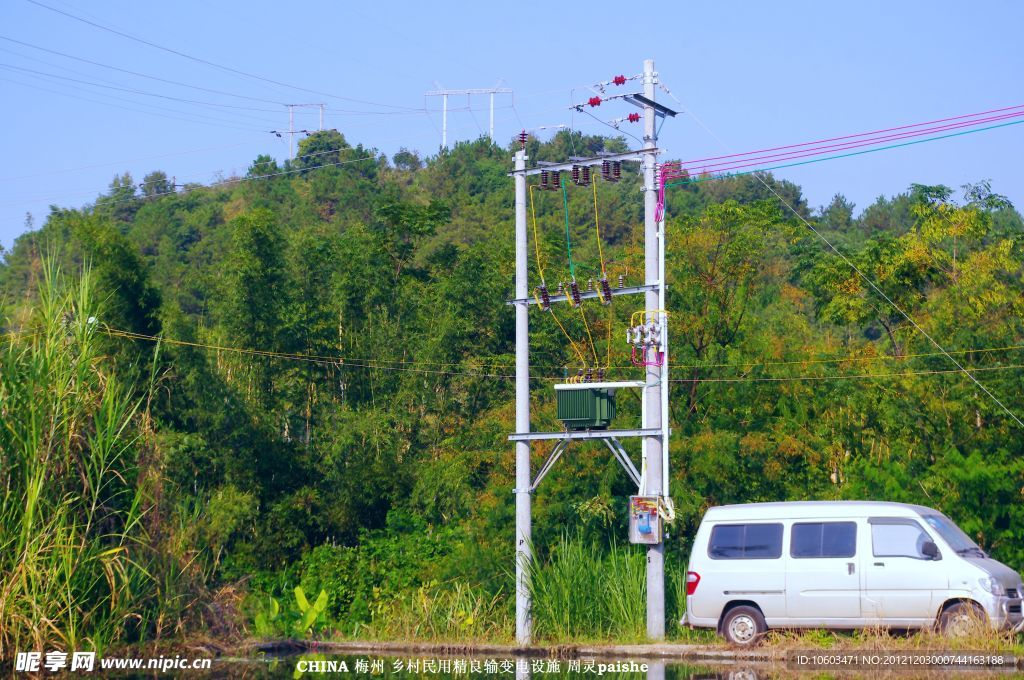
(655, 300)
(524, 549)
(652, 484)
(443, 93)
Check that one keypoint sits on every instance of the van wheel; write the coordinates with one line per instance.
(962, 619)
(744, 626)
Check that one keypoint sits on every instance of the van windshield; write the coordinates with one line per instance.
(960, 542)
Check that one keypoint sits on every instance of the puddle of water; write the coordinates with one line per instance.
(318, 666)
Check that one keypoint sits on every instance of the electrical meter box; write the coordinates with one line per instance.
(586, 409)
(644, 520)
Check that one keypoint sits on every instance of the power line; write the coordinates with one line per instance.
(126, 108)
(746, 160)
(230, 180)
(860, 376)
(400, 365)
(104, 103)
(239, 180)
(849, 358)
(211, 63)
(141, 92)
(1017, 107)
(338, 361)
(755, 171)
(140, 75)
(868, 280)
(128, 160)
(333, 112)
(87, 191)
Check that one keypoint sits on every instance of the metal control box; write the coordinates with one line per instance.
(586, 409)
(644, 520)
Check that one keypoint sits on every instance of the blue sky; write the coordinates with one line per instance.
(756, 74)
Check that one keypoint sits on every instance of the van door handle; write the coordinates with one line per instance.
(879, 564)
(850, 567)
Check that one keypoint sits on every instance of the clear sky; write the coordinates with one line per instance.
(757, 74)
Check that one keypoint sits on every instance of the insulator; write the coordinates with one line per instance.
(522, 139)
(606, 170)
(653, 333)
(579, 375)
(594, 101)
(606, 291)
(590, 284)
(575, 174)
(544, 179)
(574, 293)
(561, 288)
(586, 175)
(633, 118)
(545, 298)
(619, 80)
(600, 375)
(589, 376)
(616, 171)
(622, 280)
(556, 180)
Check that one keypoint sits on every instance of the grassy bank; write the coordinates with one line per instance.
(583, 594)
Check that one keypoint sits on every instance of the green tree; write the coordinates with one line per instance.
(156, 184)
(323, 148)
(255, 293)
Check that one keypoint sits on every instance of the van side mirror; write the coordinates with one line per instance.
(930, 550)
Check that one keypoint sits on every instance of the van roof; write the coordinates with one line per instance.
(813, 509)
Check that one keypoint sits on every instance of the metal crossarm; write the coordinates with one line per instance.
(585, 295)
(585, 434)
(596, 160)
(640, 101)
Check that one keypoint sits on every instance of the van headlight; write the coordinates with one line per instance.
(990, 585)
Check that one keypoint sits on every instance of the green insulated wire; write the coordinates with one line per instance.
(568, 242)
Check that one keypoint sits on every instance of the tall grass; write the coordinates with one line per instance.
(72, 540)
(586, 592)
(450, 611)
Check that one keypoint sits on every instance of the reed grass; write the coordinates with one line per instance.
(72, 571)
(584, 592)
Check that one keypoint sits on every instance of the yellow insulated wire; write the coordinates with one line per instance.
(597, 360)
(572, 343)
(611, 319)
(536, 240)
(597, 227)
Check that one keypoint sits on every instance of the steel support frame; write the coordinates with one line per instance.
(613, 444)
(653, 480)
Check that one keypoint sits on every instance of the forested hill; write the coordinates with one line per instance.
(336, 357)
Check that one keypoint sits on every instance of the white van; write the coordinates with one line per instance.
(842, 564)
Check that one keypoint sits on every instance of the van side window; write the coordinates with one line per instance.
(898, 539)
(823, 539)
(745, 542)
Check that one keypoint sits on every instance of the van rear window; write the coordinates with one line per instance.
(745, 542)
(823, 539)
